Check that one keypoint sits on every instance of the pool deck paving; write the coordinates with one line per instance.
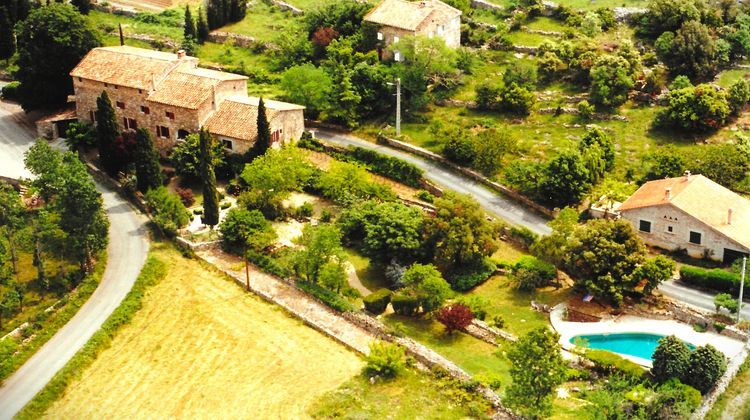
(634, 324)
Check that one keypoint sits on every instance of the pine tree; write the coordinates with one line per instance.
(147, 169)
(83, 6)
(210, 195)
(7, 38)
(189, 30)
(263, 141)
(202, 27)
(106, 132)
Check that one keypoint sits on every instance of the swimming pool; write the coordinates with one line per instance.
(640, 345)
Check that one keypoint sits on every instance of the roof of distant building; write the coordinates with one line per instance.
(410, 15)
(702, 199)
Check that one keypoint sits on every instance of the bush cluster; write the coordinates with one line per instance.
(377, 302)
(330, 298)
(385, 359)
(466, 278)
(610, 363)
(405, 304)
(714, 279)
(531, 273)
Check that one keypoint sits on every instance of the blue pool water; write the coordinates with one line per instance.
(633, 344)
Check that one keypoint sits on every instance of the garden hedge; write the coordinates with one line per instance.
(376, 303)
(608, 362)
(715, 279)
(404, 304)
(330, 298)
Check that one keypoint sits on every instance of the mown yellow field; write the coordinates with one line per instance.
(203, 348)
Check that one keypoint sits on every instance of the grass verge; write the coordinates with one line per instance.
(153, 271)
(55, 321)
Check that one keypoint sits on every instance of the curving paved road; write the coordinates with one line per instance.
(128, 246)
(499, 205)
(697, 298)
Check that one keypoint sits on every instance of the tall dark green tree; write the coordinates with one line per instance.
(83, 6)
(210, 194)
(107, 131)
(201, 27)
(189, 30)
(147, 169)
(7, 38)
(263, 142)
(51, 41)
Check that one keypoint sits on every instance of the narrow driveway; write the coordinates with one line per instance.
(694, 297)
(494, 203)
(128, 246)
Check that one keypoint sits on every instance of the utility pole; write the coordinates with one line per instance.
(742, 287)
(398, 106)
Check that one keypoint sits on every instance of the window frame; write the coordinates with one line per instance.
(145, 110)
(120, 104)
(170, 115)
(650, 226)
(690, 237)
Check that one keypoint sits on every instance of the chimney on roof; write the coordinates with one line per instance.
(667, 193)
(729, 216)
(180, 54)
(687, 175)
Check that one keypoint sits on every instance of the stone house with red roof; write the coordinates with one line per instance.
(693, 213)
(396, 19)
(171, 96)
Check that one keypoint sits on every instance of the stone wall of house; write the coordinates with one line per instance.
(661, 217)
(390, 34)
(450, 31)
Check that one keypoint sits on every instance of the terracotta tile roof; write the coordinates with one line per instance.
(184, 90)
(236, 120)
(701, 198)
(126, 66)
(269, 103)
(410, 15)
(214, 74)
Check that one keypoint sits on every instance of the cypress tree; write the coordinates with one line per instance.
(22, 10)
(189, 30)
(234, 11)
(147, 169)
(263, 142)
(106, 132)
(7, 38)
(202, 27)
(83, 6)
(210, 194)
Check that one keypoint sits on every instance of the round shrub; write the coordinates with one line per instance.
(385, 359)
(705, 367)
(531, 273)
(455, 317)
(376, 303)
(670, 359)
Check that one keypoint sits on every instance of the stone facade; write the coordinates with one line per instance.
(450, 32)
(288, 124)
(658, 220)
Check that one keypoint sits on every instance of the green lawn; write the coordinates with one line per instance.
(727, 77)
(107, 22)
(545, 24)
(263, 80)
(527, 39)
(411, 395)
(735, 402)
(265, 23)
(371, 275)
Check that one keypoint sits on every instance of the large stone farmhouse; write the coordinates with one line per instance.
(691, 212)
(399, 18)
(172, 97)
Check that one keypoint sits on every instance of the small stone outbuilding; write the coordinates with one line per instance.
(396, 19)
(693, 213)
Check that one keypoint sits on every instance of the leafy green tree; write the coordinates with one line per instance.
(597, 136)
(459, 233)
(189, 31)
(455, 317)
(665, 162)
(7, 37)
(516, 99)
(705, 367)
(10, 304)
(739, 95)
(522, 73)
(263, 141)
(345, 17)
(552, 248)
(531, 273)
(611, 80)
(80, 136)
(723, 163)
(602, 257)
(46, 238)
(669, 15)
(107, 131)
(591, 25)
(565, 179)
(670, 358)
(185, 156)
(491, 147)
(208, 176)
(147, 168)
(307, 85)
(459, 146)
(346, 98)
(427, 284)
(388, 231)
(701, 108)
(333, 276)
(427, 69)
(321, 245)
(347, 183)
(246, 228)
(201, 27)
(537, 368)
(51, 41)
(46, 164)
(167, 210)
(654, 271)
(12, 222)
(691, 51)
